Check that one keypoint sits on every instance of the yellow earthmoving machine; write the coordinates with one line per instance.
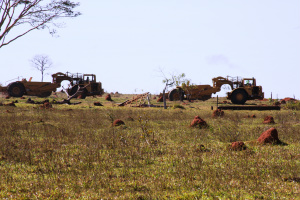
(44, 89)
(86, 81)
(242, 90)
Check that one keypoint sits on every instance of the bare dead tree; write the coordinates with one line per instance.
(19, 17)
(169, 82)
(41, 63)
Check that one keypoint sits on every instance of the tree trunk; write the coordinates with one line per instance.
(164, 99)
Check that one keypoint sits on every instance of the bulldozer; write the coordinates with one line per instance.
(242, 90)
(44, 89)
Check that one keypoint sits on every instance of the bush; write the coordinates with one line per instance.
(292, 105)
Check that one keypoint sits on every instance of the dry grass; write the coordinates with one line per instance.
(74, 152)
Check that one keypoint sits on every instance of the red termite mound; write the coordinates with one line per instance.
(160, 99)
(108, 97)
(238, 146)
(197, 121)
(218, 113)
(46, 105)
(269, 120)
(270, 136)
(118, 122)
(97, 103)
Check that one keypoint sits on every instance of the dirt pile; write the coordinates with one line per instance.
(108, 97)
(268, 120)
(218, 113)
(30, 101)
(198, 122)
(46, 105)
(97, 104)
(238, 146)
(251, 116)
(118, 122)
(270, 136)
(287, 99)
(160, 99)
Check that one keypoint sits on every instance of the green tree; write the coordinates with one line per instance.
(19, 17)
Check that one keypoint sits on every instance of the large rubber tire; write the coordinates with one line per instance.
(84, 94)
(239, 97)
(176, 95)
(16, 89)
(73, 90)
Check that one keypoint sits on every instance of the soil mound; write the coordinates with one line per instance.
(251, 116)
(160, 99)
(97, 104)
(46, 105)
(269, 120)
(118, 122)
(218, 113)
(197, 121)
(238, 146)
(108, 97)
(270, 136)
(30, 101)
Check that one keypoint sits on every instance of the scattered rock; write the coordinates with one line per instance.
(218, 113)
(197, 121)
(238, 146)
(269, 120)
(270, 136)
(108, 97)
(97, 104)
(118, 122)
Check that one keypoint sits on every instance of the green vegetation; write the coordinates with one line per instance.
(73, 151)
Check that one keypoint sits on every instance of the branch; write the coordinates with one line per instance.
(78, 89)
(36, 13)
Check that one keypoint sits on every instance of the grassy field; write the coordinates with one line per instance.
(73, 151)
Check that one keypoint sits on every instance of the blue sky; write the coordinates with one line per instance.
(126, 43)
